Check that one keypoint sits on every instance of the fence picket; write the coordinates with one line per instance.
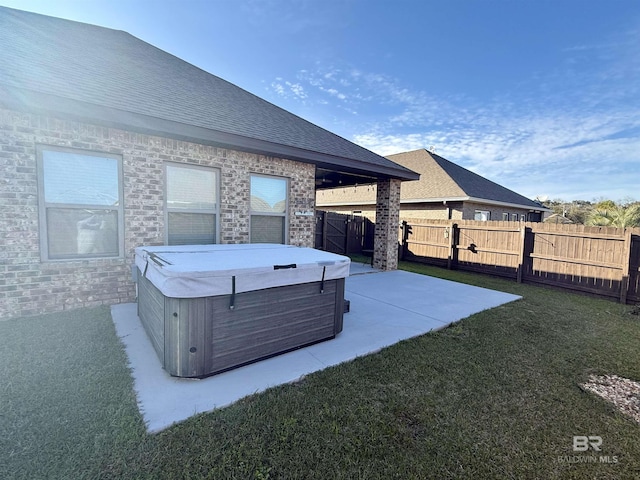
(600, 260)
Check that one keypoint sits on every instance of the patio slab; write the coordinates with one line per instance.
(386, 307)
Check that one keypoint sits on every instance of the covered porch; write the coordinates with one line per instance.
(385, 245)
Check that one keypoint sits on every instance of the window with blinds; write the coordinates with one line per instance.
(192, 206)
(80, 203)
(269, 200)
(482, 215)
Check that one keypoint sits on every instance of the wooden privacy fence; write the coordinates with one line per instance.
(599, 260)
(343, 234)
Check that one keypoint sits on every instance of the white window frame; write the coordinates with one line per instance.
(200, 211)
(285, 214)
(486, 212)
(43, 205)
(514, 217)
(505, 217)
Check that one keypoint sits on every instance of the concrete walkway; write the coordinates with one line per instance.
(386, 307)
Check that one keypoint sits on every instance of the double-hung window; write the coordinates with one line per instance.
(192, 205)
(80, 204)
(482, 215)
(269, 199)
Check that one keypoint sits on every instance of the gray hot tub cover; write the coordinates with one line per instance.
(193, 271)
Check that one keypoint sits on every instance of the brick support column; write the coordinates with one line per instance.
(385, 243)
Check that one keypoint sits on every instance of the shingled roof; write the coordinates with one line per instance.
(440, 180)
(109, 77)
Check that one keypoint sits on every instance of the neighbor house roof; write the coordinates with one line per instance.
(440, 181)
(112, 78)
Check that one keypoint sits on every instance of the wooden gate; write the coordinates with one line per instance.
(336, 232)
(343, 234)
(319, 229)
(331, 232)
(633, 292)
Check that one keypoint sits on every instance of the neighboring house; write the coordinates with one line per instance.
(108, 143)
(445, 191)
(557, 218)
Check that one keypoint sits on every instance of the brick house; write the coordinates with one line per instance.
(444, 191)
(108, 143)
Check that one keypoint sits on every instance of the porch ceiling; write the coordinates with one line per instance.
(326, 179)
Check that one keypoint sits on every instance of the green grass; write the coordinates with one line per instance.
(494, 396)
(360, 258)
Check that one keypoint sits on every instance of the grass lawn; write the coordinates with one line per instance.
(494, 396)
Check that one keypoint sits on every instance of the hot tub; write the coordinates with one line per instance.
(210, 308)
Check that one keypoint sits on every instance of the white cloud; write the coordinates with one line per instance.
(533, 156)
(286, 89)
(352, 85)
(278, 88)
(333, 92)
(297, 90)
(560, 134)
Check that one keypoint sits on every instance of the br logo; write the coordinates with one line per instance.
(581, 443)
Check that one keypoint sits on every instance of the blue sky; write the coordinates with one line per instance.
(540, 96)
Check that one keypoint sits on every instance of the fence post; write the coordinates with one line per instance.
(347, 234)
(522, 253)
(324, 230)
(406, 231)
(626, 260)
(454, 235)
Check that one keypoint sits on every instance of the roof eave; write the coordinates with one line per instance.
(537, 208)
(36, 102)
(443, 200)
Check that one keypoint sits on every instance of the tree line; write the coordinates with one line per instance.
(604, 213)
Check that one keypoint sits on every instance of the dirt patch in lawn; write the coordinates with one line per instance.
(622, 392)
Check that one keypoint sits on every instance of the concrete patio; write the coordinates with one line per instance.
(386, 307)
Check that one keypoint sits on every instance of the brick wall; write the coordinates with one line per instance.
(459, 210)
(385, 239)
(437, 210)
(469, 209)
(29, 286)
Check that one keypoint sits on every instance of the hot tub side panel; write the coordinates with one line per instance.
(186, 335)
(195, 337)
(271, 321)
(339, 305)
(204, 336)
(151, 311)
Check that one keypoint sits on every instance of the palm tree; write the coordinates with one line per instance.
(616, 216)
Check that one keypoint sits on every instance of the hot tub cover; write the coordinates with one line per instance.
(192, 271)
